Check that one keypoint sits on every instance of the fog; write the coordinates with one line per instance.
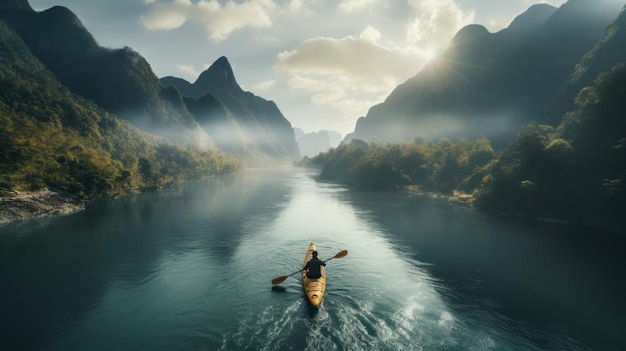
(499, 127)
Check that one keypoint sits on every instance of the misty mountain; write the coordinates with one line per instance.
(490, 84)
(51, 137)
(250, 122)
(314, 143)
(573, 172)
(120, 81)
(218, 122)
(576, 171)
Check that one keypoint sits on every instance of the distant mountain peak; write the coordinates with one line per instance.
(222, 62)
(534, 17)
(220, 74)
(13, 5)
(469, 34)
(578, 12)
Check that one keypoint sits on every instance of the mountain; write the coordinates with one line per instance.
(606, 54)
(15, 5)
(576, 171)
(51, 137)
(573, 172)
(490, 84)
(314, 143)
(120, 81)
(252, 123)
(219, 123)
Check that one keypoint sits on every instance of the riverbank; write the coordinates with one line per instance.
(39, 204)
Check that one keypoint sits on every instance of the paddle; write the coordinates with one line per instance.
(278, 280)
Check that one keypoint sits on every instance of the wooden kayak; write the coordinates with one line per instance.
(313, 288)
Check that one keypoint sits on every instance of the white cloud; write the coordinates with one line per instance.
(190, 71)
(355, 5)
(435, 22)
(265, 85)
(371, 34)
(349, 74)
(362, 59)
(219, 20)
(167, 15)
(296, 6)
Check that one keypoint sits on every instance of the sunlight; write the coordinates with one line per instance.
(429, 54)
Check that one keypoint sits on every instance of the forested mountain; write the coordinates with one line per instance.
(490, 84)
(51, 137)
(251, 122)
(572, 172)
(576, 171)
(120, 80)
(607, 53)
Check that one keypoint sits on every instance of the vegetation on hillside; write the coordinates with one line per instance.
(574, 172)
(438, 167)
(51, 137)
(120, 81)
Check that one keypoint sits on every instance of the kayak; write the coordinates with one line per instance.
(313, 287)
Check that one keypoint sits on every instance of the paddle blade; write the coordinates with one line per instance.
(340, 254)
(279, 280)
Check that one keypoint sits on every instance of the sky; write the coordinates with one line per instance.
(323, 62)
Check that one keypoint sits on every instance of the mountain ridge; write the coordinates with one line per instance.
(119, 80)
(532, 19)
(491, 84)
(122, 82)
(16, 5)
(257, 124)
(54, 138)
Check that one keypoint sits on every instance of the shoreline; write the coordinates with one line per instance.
(40, 204)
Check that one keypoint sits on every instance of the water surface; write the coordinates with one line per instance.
(190, 269)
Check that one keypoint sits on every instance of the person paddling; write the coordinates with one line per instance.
(313, 267)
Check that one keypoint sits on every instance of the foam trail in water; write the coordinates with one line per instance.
(266, 331)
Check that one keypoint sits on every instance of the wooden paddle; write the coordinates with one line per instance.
(278, 280)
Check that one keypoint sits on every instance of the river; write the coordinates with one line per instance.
(189, 268)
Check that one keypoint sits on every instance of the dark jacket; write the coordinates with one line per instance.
(314, 268)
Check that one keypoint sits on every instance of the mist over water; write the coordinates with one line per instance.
(190, 269)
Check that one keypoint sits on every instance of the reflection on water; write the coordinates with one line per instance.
(190, 268)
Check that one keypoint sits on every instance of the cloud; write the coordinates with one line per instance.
(190, 71)
(297, 6)
(434, 23)
(167, 16)
(349, 74)
(219, 20)
(355, 5)
(361, 58)
(265, 85)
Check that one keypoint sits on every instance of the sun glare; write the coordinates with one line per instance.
(429, 54)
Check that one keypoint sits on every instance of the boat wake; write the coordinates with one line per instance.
(342, 324)
(271, 330)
